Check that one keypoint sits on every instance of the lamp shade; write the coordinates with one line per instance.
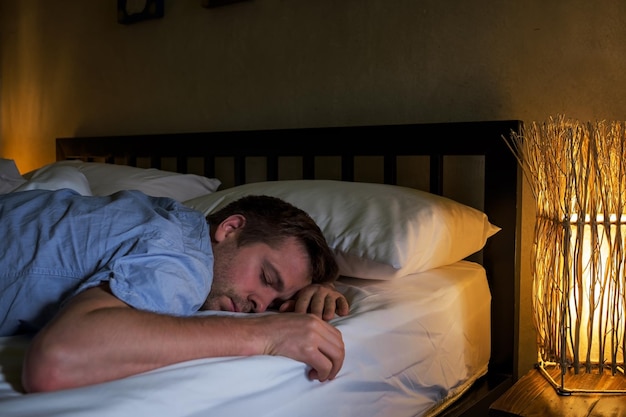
(577, 174)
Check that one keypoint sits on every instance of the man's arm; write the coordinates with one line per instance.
(98, 338)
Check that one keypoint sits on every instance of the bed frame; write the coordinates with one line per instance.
(435, 142)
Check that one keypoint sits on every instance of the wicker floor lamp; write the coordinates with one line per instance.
(577, 173)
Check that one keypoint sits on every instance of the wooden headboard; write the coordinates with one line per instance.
(392, 154)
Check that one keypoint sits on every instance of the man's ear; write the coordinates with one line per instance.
(230, 225)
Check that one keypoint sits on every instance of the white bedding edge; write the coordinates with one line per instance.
(455, 394)
(411, 345)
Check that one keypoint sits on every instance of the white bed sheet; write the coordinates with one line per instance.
(411, 344)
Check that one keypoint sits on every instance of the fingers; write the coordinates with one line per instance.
(321, 300)
(325, 307)
(342, 306)
(326, 361)
(336, 353)
(308, 339)
(287, 306)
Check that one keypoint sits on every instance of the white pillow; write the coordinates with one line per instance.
(377, 231)
(55, 177)
(105, 179)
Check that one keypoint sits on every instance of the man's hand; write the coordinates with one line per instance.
(305, 338)
(322, 300)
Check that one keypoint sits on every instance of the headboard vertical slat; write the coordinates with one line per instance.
(347, 167)
(181, 163)
(209, 165)
(502, 186)
(436, 174)
(308, 167)
(272, 167)
(155, 161)
(240, 169)
(390, 169)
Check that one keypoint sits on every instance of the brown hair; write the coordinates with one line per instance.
(271, 220)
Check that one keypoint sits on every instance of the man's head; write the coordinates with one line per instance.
(265, 250)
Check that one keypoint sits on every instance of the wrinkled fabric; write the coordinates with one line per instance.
(154, 252)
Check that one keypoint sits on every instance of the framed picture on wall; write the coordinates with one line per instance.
(131, 11)
(217, 3)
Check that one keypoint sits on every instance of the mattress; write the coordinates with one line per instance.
(413, 345)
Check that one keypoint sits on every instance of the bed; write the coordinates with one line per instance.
(428, 335)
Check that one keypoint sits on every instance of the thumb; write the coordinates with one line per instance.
(286, 306)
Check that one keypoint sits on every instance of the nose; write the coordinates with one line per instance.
(262, 300)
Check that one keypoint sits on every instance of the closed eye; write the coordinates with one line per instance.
(267, 280)
(272, 278)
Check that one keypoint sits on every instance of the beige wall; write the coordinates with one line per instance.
(68, 68)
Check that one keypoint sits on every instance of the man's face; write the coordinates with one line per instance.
(255, 277)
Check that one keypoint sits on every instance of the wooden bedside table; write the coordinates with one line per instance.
(532, 395)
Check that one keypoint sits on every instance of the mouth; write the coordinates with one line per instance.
(227, 304)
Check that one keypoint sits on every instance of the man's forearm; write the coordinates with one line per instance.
(98, 338)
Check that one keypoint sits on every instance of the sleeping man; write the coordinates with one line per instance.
(109, 286)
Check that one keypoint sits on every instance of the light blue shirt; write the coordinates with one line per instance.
(154, 252)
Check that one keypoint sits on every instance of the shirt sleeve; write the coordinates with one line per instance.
(167, 283)
(169, 269)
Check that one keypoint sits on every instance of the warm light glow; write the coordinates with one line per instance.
(601, 302)
(29, 120)
(577, 173)
(573, 218)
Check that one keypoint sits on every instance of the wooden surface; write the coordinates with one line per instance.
(534, 396)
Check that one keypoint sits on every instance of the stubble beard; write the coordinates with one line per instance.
(223, 259)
